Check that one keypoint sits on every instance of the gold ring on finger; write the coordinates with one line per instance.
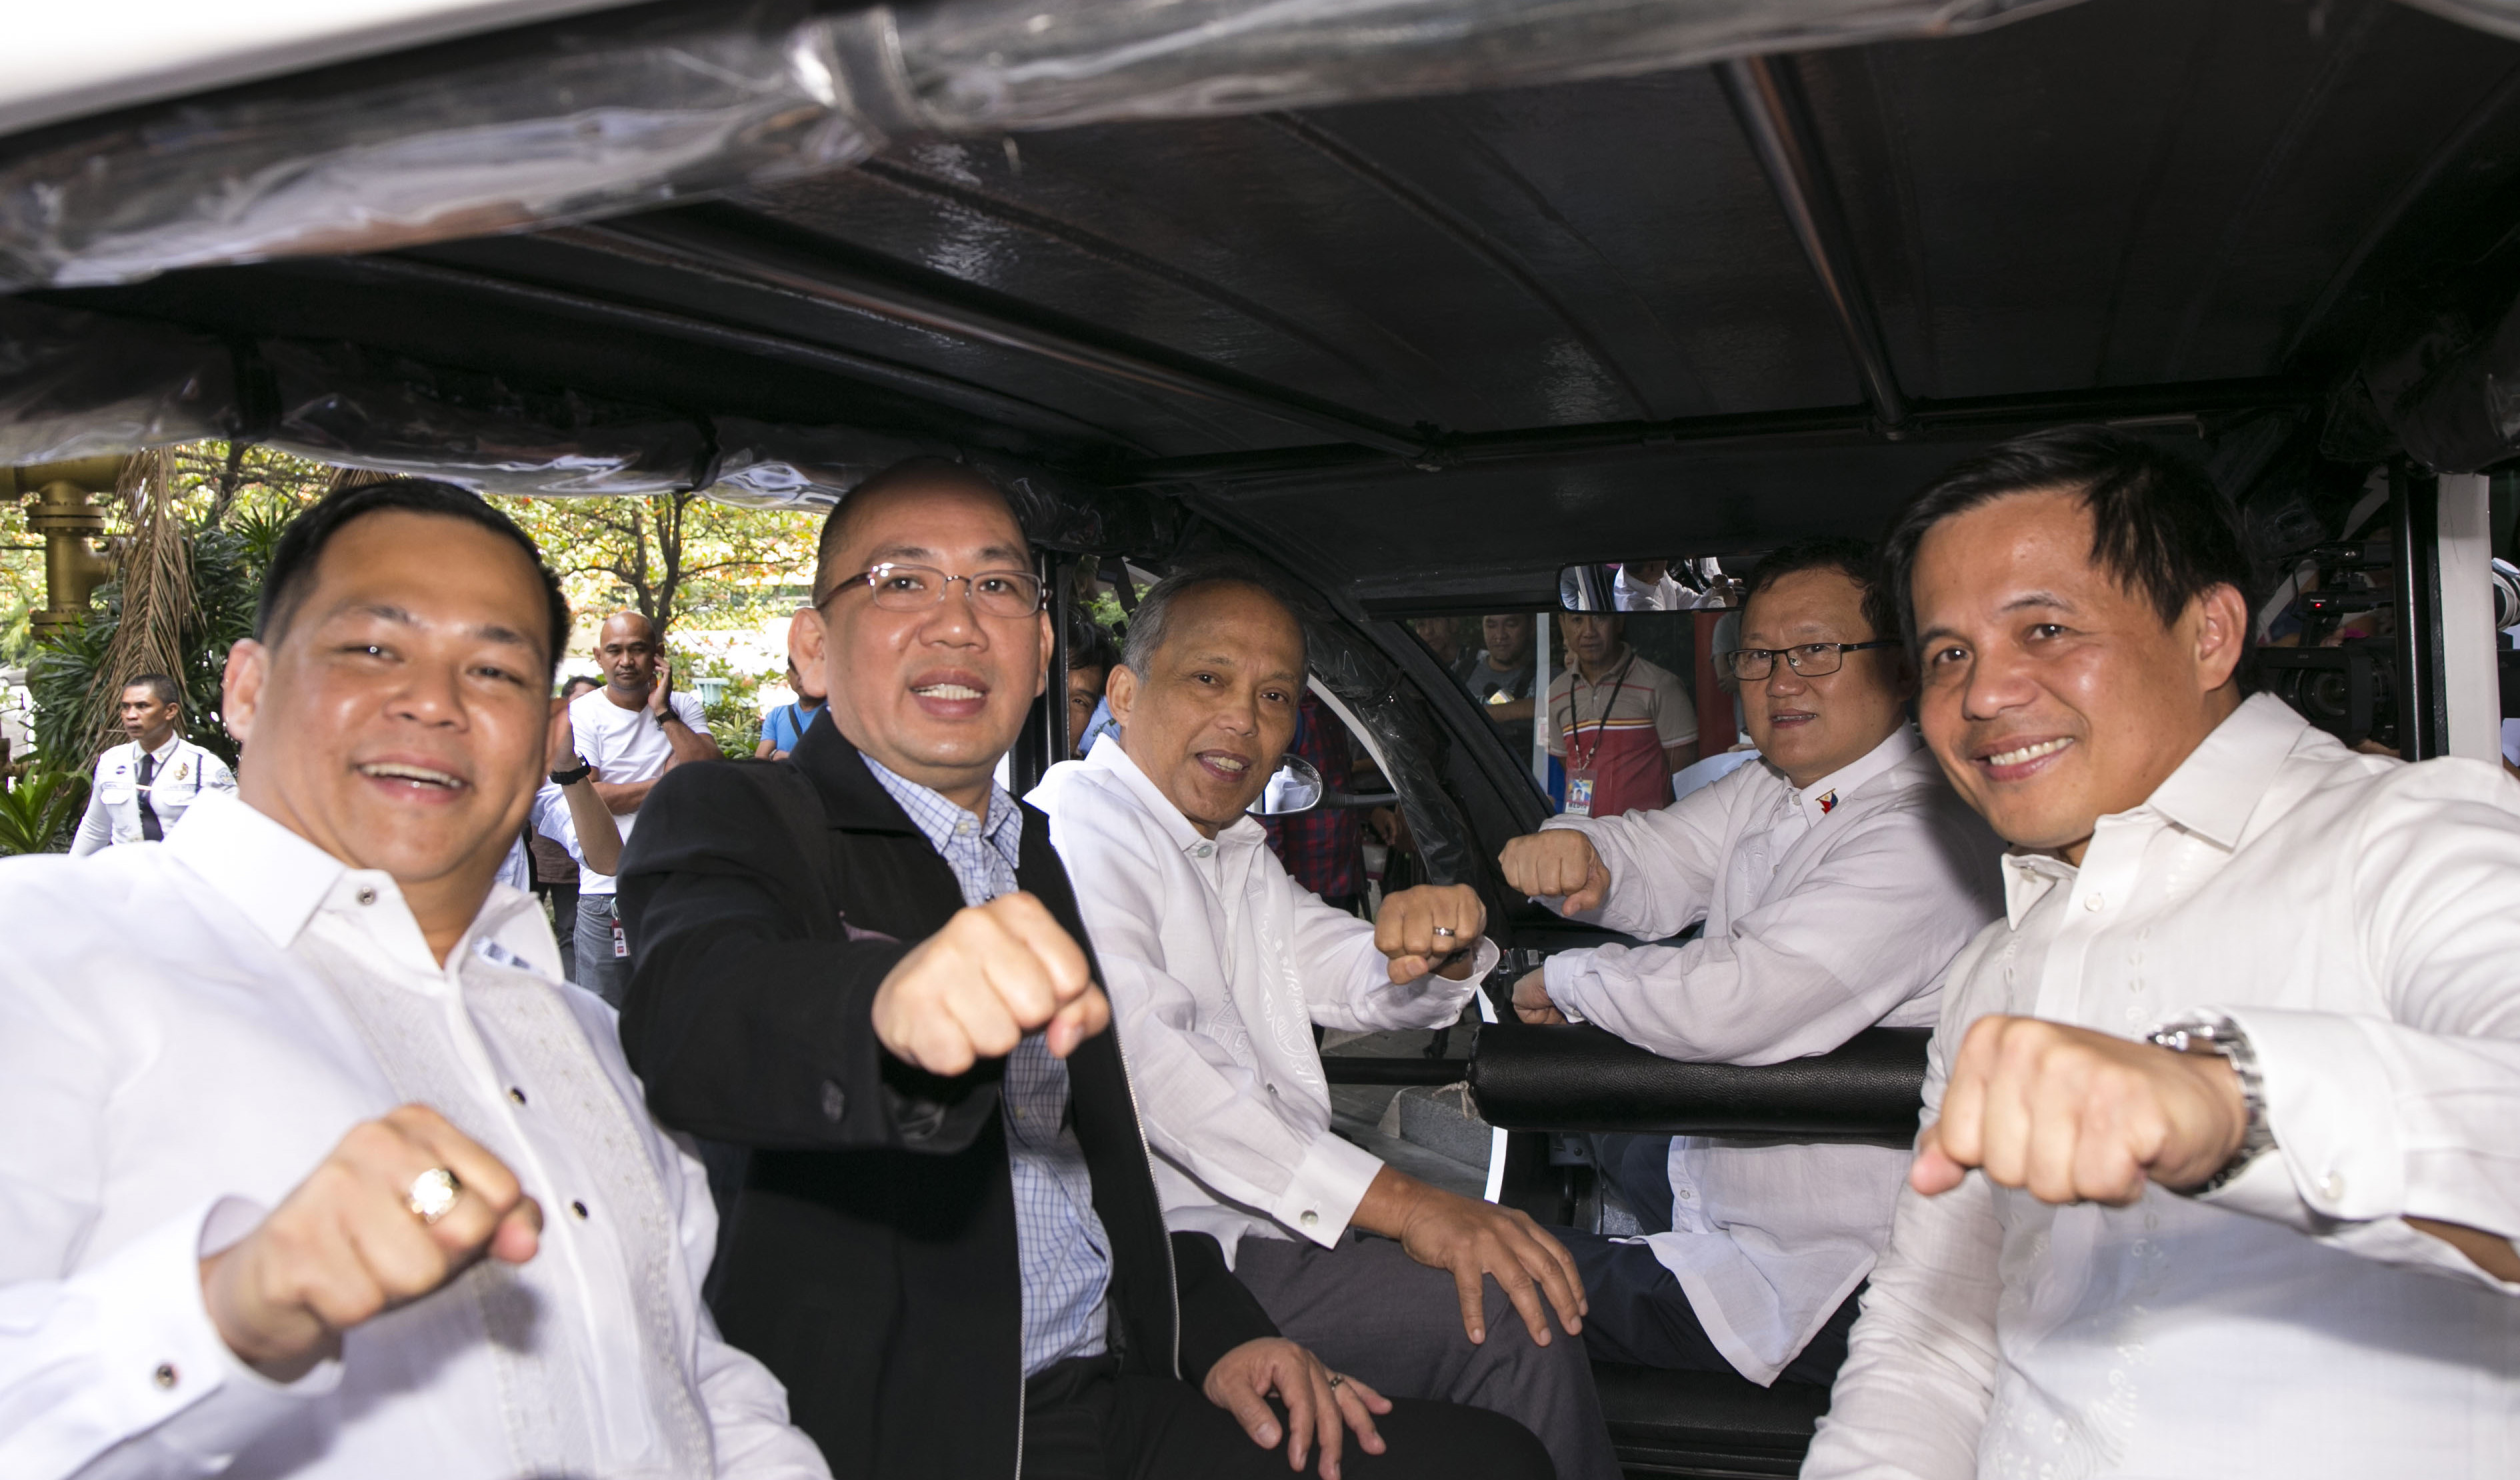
(432, 1194)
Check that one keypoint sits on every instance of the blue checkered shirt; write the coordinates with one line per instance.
(1066, 1256)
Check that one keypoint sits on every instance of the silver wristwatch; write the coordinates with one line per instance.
(2213, 1033)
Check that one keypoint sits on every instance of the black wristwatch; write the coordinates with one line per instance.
(585, 768)
(668, 717)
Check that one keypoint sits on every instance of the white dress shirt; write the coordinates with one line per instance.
(185, 1031)
(182, 772)
(1218, 965)
(1828, 910)
(626, 746)
(2360, 919)
(550, 818)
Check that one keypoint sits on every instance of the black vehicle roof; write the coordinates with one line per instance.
(1443, 344)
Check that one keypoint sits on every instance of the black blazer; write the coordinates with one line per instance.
(870, 1257)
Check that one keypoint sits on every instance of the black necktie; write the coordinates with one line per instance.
(149, 829)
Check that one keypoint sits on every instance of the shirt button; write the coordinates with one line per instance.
(836, 1102)
(2331, 1185)
(2094, 902)
(365, 896)
(1202, 850)
(1688, 1195)
(579, 1209)
(165, 1376)
(516, 1095)
(1310, 1218)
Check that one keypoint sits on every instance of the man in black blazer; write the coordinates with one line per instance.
(864, 963)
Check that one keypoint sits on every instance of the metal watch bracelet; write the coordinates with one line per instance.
(2214, 1033)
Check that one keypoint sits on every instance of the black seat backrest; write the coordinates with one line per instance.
(1583, 1079)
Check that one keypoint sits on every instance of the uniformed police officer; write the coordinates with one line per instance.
(142, 788)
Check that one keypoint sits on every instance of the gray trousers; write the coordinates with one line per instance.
(1366, 1308)
(598, 970)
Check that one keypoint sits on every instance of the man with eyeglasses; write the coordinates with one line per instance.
(1833, 880)
(865, 964)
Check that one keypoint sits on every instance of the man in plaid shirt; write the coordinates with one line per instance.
(1323, 848)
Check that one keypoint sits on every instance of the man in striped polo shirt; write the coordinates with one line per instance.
(1620, 725)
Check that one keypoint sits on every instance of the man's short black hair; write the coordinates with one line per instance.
(169, 692)
(1089, 643)
(924, 469)
(1858, 560)
(302, 545)
(2159, 527)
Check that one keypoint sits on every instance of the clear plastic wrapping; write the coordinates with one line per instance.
(614, 111)
(341, 404)
(78, 384)
(579, 118)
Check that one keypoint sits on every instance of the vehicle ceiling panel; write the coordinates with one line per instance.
(1451, 533)
(2139, 192)
(2124, 194)
(1548, 257)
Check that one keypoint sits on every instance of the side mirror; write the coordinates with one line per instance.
(1658, 585)
(1295, 786)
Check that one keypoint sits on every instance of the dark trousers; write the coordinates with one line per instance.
(1366, 1308)
(1084, 1419)
(559, 897)
(1640, 1314)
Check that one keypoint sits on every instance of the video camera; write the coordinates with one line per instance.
(2349, 689)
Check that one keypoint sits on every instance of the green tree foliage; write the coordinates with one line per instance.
(672, 556)
(230, 537)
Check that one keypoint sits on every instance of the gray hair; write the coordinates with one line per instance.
(1153, 621)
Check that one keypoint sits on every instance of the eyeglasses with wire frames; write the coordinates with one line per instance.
(899, 586)
(1805, 660)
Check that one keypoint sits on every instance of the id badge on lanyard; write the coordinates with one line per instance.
(1578, 793)
(620, 942)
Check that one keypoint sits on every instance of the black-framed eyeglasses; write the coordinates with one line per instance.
(898, 587)
(1807, 660)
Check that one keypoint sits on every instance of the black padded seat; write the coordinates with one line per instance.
(1712, 1424)
(1580, 1078)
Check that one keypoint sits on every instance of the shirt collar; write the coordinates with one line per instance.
(1823, 796)
(2211, 794)
(934, 815)
(2028, 877)
(164, 752)
(277, 881)
(1609, 670)
(2219, 785)
(1107, 757)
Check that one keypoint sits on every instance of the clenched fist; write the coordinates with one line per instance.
(1556, 862)
(2071, 1115)
(346, 1246)
(975, 988)
(1405, 930)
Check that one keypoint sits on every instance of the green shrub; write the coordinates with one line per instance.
(38, 810)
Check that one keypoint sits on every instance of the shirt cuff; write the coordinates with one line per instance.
(162, 1364)
(1564, 975)
(1328, 1183)
(2334, 1116)
(1483, 960)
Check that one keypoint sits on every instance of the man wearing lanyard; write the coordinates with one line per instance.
(142, 788)
(1620, 724)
